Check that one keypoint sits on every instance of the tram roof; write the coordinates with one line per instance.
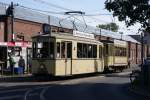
(67, 38)
(30, 15)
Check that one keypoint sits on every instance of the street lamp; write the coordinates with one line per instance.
(121, 33)
(142, 49)
(100, 33)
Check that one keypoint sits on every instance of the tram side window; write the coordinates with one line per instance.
(120, 51)
(125, 52)
(86, 50)
(117, 51)
(79, 50)
(84, 53)
(69, 50)
(51, 50)
(94, 51)
(100, 52)
(34, 50)
(90, 51)
(63, 54)
(58, 49)
(111, 49)
(106, 51)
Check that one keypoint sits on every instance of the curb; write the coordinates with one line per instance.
(15, 79)
(23, 79)
(138, 92)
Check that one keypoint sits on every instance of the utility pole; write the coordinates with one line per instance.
(10, 13)
(12, 26)
(12, 21)
(121, 33)
(142, 49)
(100, 33)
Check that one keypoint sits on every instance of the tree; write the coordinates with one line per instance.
(111, 26)
(130, 11)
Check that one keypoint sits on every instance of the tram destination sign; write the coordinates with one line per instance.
(120, 42)
(83, 34)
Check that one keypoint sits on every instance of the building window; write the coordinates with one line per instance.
(14, 51)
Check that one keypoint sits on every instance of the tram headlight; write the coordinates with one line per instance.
(42, 69)
(42, 66)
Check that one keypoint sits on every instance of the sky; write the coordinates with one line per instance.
(90, 7)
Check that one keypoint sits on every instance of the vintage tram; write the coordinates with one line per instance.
(115, 55)
(67, 54)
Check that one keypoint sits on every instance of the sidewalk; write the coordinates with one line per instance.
(16, 78)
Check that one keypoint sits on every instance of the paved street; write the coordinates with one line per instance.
(103, 87)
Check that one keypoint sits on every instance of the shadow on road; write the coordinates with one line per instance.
(53, 78)
(46, 78)
(118, 75)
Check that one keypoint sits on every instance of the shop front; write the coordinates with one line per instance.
(15, 50)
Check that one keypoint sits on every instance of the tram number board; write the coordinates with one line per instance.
(83, 34)
(46, 29)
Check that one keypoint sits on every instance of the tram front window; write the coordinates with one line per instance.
(43, 50)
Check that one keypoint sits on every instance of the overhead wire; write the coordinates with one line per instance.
(66, 9)
(62, 13)
(53, 5)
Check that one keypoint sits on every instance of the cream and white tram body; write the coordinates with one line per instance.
(65, 55)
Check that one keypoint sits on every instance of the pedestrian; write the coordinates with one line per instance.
(11, 63)
(21, 63)
(29, 63)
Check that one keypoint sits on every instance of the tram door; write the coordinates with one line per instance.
(68, 57)
(106, 55)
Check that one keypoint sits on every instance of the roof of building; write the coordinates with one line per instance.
(2, 9)
(146, 38)
(27, 14)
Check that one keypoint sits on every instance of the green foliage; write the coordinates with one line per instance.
(111, 26)
(130, 11)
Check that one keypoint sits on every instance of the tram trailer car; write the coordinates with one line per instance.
(115, 55)
(65, 55)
